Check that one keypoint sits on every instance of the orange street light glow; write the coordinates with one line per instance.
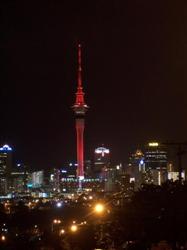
(99, 208)
(56, 221)
(74, 228)
(3, 238)
(62, 231)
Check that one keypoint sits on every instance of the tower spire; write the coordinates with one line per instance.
(79, 67)
(79, 94)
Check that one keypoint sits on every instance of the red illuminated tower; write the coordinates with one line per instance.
(80, 109)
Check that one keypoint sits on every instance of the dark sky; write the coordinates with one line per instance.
(134, 76)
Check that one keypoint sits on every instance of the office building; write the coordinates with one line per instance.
(156, 163)
(5, 168)
(101, 162)
(136, 168)
(19, 178)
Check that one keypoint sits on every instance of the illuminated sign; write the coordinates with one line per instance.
(102, 150)
(153, 144)
(5, 148)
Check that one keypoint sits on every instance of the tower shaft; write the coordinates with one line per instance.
(80, 147)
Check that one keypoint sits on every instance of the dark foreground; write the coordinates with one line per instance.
(153, 218)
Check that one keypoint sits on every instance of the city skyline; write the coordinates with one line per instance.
(134, 77)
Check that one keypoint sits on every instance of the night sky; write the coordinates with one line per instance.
(134, 76)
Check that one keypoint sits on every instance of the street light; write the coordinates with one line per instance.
(62, 231)
(3, 238)
(55, 222)
(59, 204)
(99, 208)
(73, 228)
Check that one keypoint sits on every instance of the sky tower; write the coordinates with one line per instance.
(80, 109)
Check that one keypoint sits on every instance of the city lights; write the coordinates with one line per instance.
(81, 178)
(5, 148)
(59, 204)
(62, 231)
(99, 208)
(111, 175)
(55, 224)
(3, 238)
(83, 223)
(56, 221)
(153, 144)
(141, 162)
(102, 151)
(73, 228)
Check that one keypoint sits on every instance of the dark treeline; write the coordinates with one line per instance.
(155, 213)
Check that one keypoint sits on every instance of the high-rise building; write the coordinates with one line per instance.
(136, 160)
(156, 163)
(101, 161)
(19, 178)
(69, 170)
(88, 170)
(38, 179)
(136, 168)
(5, 167)
(55, 177)
(173, 174)
(80, 108)
(113, 178)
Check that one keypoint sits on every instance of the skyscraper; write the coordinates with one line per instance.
(80, 108)
(136, 168)
(101, 162)
(156, 163)
(5, 167)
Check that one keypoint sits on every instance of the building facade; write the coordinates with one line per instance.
(101, 162)
(5, 168)
(156, 163)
